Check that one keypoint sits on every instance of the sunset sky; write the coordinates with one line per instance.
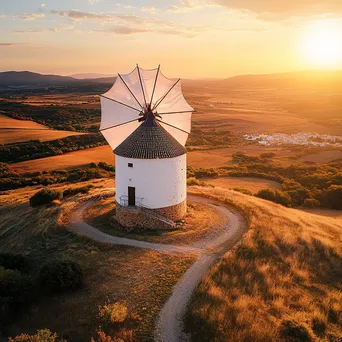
(193, 39)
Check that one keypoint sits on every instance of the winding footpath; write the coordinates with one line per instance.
(170, 326)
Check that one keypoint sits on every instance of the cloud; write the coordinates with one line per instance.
(44, 30)
(10, 44)
(30, 16)
(151, 10)
(190, 5)
(131, 24)
(280, 9)
(123, 30)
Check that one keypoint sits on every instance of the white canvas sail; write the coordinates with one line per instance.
(133, 94)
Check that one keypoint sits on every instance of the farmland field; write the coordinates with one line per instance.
(249, 183)
(14, 131)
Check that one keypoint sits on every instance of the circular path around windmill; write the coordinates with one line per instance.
(169, 326)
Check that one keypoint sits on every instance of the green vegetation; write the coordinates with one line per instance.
(44, 335)
(314, 185)
(211, 137)
(113, 313)
(78, 190)
(58, 276)
(13, 261)
(11, 180)
(54, 116)
(275, 196)
(34, 149)
(45, 196)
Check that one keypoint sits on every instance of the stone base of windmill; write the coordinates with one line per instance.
(135, 218)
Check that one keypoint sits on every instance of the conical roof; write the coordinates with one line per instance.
(150, 141)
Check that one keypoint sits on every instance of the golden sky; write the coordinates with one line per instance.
(190, 38)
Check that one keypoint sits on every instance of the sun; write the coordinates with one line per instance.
(321, 44)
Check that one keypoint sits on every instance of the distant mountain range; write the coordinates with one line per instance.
(90, 76)
(307, 79)
(27, 78)
(299, 79)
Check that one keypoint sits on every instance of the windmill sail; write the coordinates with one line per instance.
(133, 95)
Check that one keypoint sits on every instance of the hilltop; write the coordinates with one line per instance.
(328, 79)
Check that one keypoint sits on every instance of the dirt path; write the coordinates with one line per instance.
(170, 321)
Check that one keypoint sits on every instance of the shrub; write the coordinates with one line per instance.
(114, 313)
(332, 197)
(45, 196)
(294, 331)
(13, 261)
(193, 181)
(319, 326)
(276, 196)
(14, 286)
(311, 203)
(106, 166)
(58, 276)
(267, 155)
(79, 190)
(44, 335)
(103, 337)
(243, 191)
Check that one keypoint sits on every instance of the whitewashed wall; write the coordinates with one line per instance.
(160, 182)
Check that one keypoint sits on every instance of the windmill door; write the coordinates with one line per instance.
(131, 195)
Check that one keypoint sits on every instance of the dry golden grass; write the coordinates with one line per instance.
(250, 183)
(285, 273)
(201, 221)
(13, 131)
(140, 278)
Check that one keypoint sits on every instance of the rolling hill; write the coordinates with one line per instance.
(26, 78)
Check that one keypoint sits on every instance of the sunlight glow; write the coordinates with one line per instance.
(321, 44)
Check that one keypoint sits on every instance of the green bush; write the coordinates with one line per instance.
(311, 203)
(267, 155)
(44, 335)
(106, 166)
(332, 197)
(113, 313)
(78, 190)
(243, 191)
(276, 196)
(58, 276)
(14, 286)
(193, 181)
(294, 331)
(45, 196)
(13, 261)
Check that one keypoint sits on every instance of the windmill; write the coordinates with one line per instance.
(146, 121)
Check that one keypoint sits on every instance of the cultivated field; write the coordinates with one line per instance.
(249, 183)
(14, 131)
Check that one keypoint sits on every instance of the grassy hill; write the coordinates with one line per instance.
(282, 283)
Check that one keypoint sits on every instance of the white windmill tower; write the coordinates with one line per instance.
(146, 121)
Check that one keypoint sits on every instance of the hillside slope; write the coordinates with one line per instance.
(23, 78)
(282, 283)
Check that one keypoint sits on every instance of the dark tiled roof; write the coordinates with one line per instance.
(150, 142)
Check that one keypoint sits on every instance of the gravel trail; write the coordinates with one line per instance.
(170, 326)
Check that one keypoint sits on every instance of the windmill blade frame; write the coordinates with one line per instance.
(139, 88)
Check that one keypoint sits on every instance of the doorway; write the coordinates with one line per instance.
(131, 196)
